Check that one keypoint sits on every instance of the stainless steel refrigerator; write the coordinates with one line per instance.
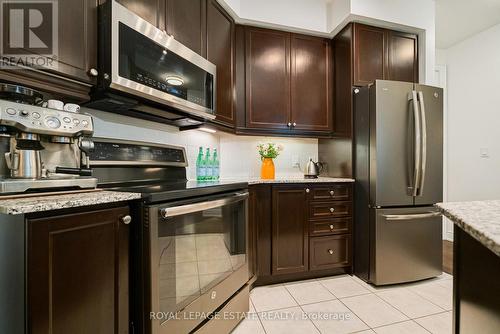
(398, 167)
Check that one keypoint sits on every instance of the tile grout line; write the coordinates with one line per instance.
(302, 310)
(410, 317)
(431, 300)
(357, 316)
(258, 317)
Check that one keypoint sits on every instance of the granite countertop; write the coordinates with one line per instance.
(481, 219)
(280, 180)
(16, 206)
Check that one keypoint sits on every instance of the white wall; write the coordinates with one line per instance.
(473, 71)
(240, 158)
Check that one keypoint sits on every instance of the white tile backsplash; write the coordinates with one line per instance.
(238, 154)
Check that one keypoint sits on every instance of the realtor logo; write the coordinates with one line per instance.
(29, 33)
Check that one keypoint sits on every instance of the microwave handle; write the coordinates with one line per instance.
(196, 207)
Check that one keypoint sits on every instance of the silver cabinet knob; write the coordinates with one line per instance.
(332, 192)
(331, 227)
(294, 124)
(308, 190)
(126, 219)
(93, 72)
(332, 209)
(289, 124)
(330, 251)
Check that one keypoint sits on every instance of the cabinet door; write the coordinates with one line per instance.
(403, 57)
(311, 83)
(343, 58)
(78, 273)
(186, 21)
(290, 231)
(370, 54)
(150, 10)
(267, 78)
(220, 51)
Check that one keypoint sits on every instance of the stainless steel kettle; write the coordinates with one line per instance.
(313, 169)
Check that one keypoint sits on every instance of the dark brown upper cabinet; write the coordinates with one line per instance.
(288, 83)
(363, 54)
(402, 56)
(311, 83)
(220, 51)
(267, 78)
(370, 54)
(78, 269)
(290, 247)
(186, 21)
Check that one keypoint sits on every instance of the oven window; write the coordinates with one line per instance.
(196, 251)
(147, 63)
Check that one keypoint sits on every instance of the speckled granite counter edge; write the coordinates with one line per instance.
(471, 228)
(48, 203)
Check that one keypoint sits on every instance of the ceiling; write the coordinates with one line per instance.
(457, 20)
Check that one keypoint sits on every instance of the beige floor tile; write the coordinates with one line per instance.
(447, 283)
(333, 317)
(406, 327)
(343, 286)
(368, 331)
(440, 295)
(373, 310)
(271, 297)
(309, 292)
(214, 266)
(437, 323)
(409, 303)
(287, 321)
(182, 269)
(187, 286)
(250, 325)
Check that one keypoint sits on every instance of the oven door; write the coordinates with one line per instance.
(148, 63)
(198, 259)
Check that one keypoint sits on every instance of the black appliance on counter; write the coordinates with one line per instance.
(144, 72)
(189, 245)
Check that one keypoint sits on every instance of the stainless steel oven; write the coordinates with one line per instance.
(142, 62)
(198, 258)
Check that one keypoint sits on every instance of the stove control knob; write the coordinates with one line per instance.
(126, 219)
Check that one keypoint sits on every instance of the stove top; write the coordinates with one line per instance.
(174, 190)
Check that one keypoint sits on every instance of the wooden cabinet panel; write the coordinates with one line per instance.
(186, 21)
(330, 226)
(329, 209)
(78, 273)
(330, 252)
(331, 192)
(343, 77)
(311, 83)
(403, 57)
(267, 78)
(150, 10)
(370, 54)
(290, 231)
(220, 51)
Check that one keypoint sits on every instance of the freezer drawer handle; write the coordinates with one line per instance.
(411, 217)
(196, 207)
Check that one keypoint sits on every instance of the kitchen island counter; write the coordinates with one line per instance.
(40, 203)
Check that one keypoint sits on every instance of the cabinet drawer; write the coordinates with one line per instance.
(330, 226)
(336, 192)
(330, 209)
(330, 252)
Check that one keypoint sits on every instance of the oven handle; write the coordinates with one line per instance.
(190, 208)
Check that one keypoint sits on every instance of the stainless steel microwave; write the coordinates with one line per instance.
(143, 69)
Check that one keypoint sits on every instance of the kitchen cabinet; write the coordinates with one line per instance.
(290, 240)
(301, 230)
(78, 272)
(70, 75)
(288, 83)
(187, 22)
(363, 54)
(220, 51)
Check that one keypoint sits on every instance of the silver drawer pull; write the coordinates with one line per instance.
(126, 219)
(196, 207)
(332, 192)
(331, 227)
(332, 209)
(412, 216)
(330, 251)
(308, 190)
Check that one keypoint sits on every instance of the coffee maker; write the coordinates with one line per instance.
(45, 148)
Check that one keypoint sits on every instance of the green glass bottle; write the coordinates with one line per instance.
(215, 166)
(207, 162)
(200, 168)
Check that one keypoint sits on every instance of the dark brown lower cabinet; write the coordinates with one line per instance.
(78, 273)
(300, 230)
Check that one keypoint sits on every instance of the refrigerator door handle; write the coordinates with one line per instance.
(413, 190)
(412, 217)
(423, 149)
